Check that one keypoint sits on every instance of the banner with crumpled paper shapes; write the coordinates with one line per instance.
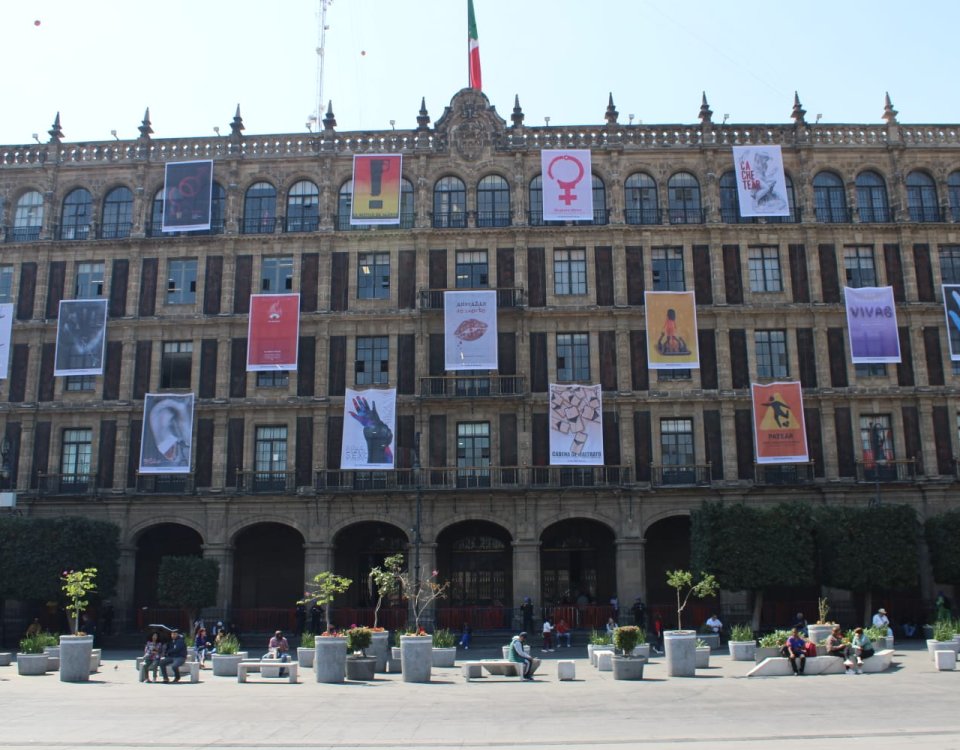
(576, 425)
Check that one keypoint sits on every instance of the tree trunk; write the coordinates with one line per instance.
(757, 607)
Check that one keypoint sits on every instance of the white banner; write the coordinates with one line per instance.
(567, 185)
(6, 332)
(470, 330)
(167, 433)
(761, 183)
(81, 337)
(576, 425)
(369, 421)
(872, 324)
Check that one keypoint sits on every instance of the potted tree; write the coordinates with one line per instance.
(386, 581)
(306, 649)
(32, 660)
(444, 648)
(76, 651)
(359, 666)
(742, 645)
(189, 584)
(820, 631)
(416, 650)
(680, 645)
(627, 666)
(943, 630)
(330, 658)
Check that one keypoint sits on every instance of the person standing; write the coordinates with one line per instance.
(639, 610)
(547, 635)
(658, 632)
(465, 635)
(175, 657)
(519, 655)
(526, 611)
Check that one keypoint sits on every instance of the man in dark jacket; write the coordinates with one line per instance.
(176, 656)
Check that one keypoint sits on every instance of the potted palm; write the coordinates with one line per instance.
(76, 651)
(627, 666)
(598, 640)
(820, 631)
(742, 645)
(416, 651)
(330, 658)
(32, 660)
(943, 630)
(359, 666)
(444, 648)
(680, 646)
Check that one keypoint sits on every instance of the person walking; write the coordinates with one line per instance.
(547, 635)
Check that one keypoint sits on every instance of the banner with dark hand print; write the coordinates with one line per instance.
(369, 428)
(81, 332)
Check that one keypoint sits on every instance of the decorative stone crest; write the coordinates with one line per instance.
(469, 140)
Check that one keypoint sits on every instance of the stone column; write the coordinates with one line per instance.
(631, 571)
(223, 554)
(317, 557)
(526, 574)
(124, 607)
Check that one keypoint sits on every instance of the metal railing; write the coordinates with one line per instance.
(833, 214)
(472, 386)
(449, 220)
(115, 231)
(493, 219)
(155, 229)
(643, 216)
(535, 219)
(66, 484)
(783, 474)
(925, 214)
(874, 214)
(687, 215)
(266, 481)
(166, 484)
(301, 223)
(22, 234)
(74, 232)
(432, 299)
(479, 617)
(666, 475)
(258, 225)
(407, 221)
(902, 470)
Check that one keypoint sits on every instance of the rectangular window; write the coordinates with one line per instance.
(667, 269)
(6, 284)
(273, 379)
(89, 280)
(871, 370)
(276, 275)
(473, 454)
(182, 281)
(372, 366)
(676, 451)
(764, 265)
(573, 357)
(77, 383)
(75, 453)
(570, 272)
(472, 269)
(175, 364)
(859, 266)
(373, 276)
(665, 376)
(950, 264)
(270, 458)
(771, 351)
(876, 441)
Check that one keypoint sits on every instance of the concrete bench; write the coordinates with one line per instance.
(6, 659)
(257, 666)
(779, 666)
(946, 660)
(604, 661)
(566, 670)
(879, 662)
(499, 667)
(193, 667)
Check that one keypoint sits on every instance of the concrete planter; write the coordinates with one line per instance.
(680, 647)
(765, 652)
(934, 646)
(416, 657)
(305, 657)
(742, 650)
(642, 650)
(225, 665)
(31, 664)
(361, 668)
(330, 661)
(76, 656)
(597, 647)
(444, 657)
(702, 658)
(711, 639)
(393, 663)
(628, 667)
(53, 658)
(819, 633)
(380, 649)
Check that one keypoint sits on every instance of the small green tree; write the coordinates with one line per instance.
(188, 583)
(682, 581)
(386, 581)
(326, 587)
(77, 585)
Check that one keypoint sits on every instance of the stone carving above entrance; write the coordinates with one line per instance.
(470, 125)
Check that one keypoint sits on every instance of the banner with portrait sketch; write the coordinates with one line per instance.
(779, 429)
(951, 308)
(167, 436)
(369, 429)
(567, 184)
(470, 330)
(376, 189)
(187, 195)
(81, 333)
(6, 333)
(576, 425)
(273, 332)
(761, 182)
(671, 330)
(872, 324)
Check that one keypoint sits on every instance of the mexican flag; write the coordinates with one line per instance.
(473, 47)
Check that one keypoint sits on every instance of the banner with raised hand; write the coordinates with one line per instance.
(576, 425)
(376, 189)
(671, 330)
(470, 330)
(6, 331)
(951, 307)
(273, 332)
(81, 336)
(567, 184)
(167, 433)
(761, 183)
(779, 430)
(369, 427)
(872, 324)
(187, 193)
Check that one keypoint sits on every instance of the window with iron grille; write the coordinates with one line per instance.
(876, 438)
(373, 276)
(6, 283)
(493, 202)
(872, 203)
(950, 264)
(472, 269)
(176, 361)
(76, 451)
(276, 275)
(117, 214)
(28, 218)
(449, 203)
(271, 449)
(372, 366)
(829, 198)
(771, 351)
(273, 379)
(922, 202)
(683, 196)
(764, 264)
(473, 453)
(667, 263)
(303, 207)
(641, 200)
(77, 215)
(89, 283)
(573, 357)
(676, 442)
(570, 271)
(182, 281)
(260, 209)
(859, 267)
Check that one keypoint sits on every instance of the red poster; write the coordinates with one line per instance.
(779, 431)
(272, 336)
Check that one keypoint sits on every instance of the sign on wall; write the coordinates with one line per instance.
(167, 433)
(6, 332)
(376, 189)
(576, 425)
(671, 330)
(187, 193)
(567, 184)
(470, 330)
(761, 183)
(273, 332)
(81, 333)
(369, 425)
(779, 430)
(872, 324)
(951, 308)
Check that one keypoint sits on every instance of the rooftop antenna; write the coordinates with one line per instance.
(317, 115)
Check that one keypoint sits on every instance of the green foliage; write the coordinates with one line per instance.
(875, 633)
(188, 583)
(702, 643)
(626, 638)
(599, 638)
(943, 630)
(35, 644)
(741, 633)
(775, 639)
(443, 638)
(77, 585)
(386, 580)
(326, 587)
(359, 639)
(942, 532)
(307, 639)
(228, 645)
(682, 581)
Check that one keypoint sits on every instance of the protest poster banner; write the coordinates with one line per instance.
(376, 189)
(671, 330)
(273, 332)
(951, 308)
(470, 330)
(779, 430)
(567, 184)
(6, 333)
(761, 183)
(81, 336)
(872, 324)
(576, 425)
(369, 427)
(187, 194)
(167, 433)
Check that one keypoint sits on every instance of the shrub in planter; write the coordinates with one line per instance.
(443, 638)
(32, 660)
(359, 666)
(228, 645)
(359, 640)
(626, 638)
(741, 633)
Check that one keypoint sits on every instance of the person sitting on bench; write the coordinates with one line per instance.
(795, 649)
(280, 649)
(518, 654)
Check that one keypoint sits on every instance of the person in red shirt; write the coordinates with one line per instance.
(563, 631)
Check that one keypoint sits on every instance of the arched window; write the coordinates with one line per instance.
(683, 196)
(155, 227)
(599, 202)
(493, 202)
(77, 215)
(922, 197)
(303, 207)
(535, 194)
(344, 208)
(953, 194)
(218, 204)
(407, 214)
(872, 203)
(794, 216)
(28, 217)
(449, 203)
(641, 202)
(218, 199)
(730, 200)
(830, 199)
(117, 214)
(260, 209)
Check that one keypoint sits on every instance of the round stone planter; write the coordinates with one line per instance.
(702, 658)
(330, 660)
(362, 668)
(742, 650)
(680, 647)
(416, 657)
(642, 650)
(76, 655)
(31, 664)
(225, 665)
(305, 657)
(393, 663)
(819, 633)
(53, 658)
(444, 657)
(711, 639)
(765, 652)
(380, 649)
(628, 667)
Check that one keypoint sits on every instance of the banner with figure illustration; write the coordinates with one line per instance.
(376, 189)
(81, 336)
(273, 332)
(167, 433)
(951, 308)
(671, 330)
(6, 331)
(470, 330)
(761, 183)
(576, 425)
(779, 431)
(369, 426)
(567, 184)
(872, 324)
(187, 192)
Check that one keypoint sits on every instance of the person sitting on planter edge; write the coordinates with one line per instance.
(839, 647)
(519, 654)
(862, 648)
(280, 649)
(204, 646)
(176, 656)
(563, 631)
(153, 652)
(715, 625)
(795, 649)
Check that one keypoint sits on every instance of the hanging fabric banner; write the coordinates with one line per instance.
(187, 192)
(779, 431)
(872, 324)
(567, 185)
(81, 332)
(470, 330)
(167, 433)
(6, 333)
(376, 189)
(369, 421)
(273, 331)
(576, 425)
(671, 330)
(761, 183)
(951, 307)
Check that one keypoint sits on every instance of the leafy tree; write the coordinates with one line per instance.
(326, 587)
(942, 533)
(188, 583)
(77, 585)
(682, 580)
(386, 580)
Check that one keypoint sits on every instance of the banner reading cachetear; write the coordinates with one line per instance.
(81, 336)
(376, 189)
(470, 330)
(761, 183)
(167, 433)
(369, 421)
(567, 185)
(576, 425)
(671, 330)
(779, 429)
(273, 332)
(872, 324)
(187, 193)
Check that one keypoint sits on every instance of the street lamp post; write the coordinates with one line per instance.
(417, 539)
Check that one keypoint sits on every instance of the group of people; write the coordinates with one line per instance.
(561, 630)
(159, 654)
(797, 647)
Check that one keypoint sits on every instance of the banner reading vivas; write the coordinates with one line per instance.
(470, 330)
(369, 425)
(167, 433)
(779, 431)
(273, 331)
(951, 307)
(81, 332)
(567, 185)
(872, 324)
(576, 425)
(187, 191)
(761, 183)
(671, 330)
(6, 331)
(376, 189)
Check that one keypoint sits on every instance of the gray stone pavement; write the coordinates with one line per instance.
(911, 704)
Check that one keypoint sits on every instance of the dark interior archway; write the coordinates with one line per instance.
(477, 558)
(267, 568)
(162, 540)
(577, 563)
(668, 548)
(360, 548)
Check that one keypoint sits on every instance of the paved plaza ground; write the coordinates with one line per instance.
(911, 705)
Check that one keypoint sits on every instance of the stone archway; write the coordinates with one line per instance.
(667, 548)
(162, 540)
(358, 549)
(578, 571)
(268, 561)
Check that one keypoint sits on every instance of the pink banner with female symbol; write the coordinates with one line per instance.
(368, 429)
(567, 185)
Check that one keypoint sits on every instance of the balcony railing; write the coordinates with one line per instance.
(493, 219)
(874, 214)
(450, 220)
(432, 299)
(473, 386)
(643, 215)
(903, 470)
(687, 215)
(74, 232)
(22, 234)
(155, 229)
(926, 214)
(473, 477)
(66, 484)
(301, 223)
(693, 475)
(115, 231)
(833, 214)
(266, 481)
(258, 225)
(535, 219)
(407, 221)
(165, 484)
(783, 474)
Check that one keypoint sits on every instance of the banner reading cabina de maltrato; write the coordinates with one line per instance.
(376, 189)
(6, 332)
(167, 433)
(187, 192)
(567, 184)
(671, 330)
(761, 183)
(872, 324)
(779, 430)
(951, 307)
(470, 330)
(369, 421)
(81, 333)
(273, 332)
(576, 425)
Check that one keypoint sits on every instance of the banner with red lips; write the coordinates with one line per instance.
(470, 330)
(273, 332)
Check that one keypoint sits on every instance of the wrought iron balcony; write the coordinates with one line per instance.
(493, 219)
(155, 229)
(66, 484)
(407, 221)
(507, 297)
(926, 214)
(258, 482)
(643, 215)
(904, 470)
(115, 231)
(874, 214)
(258, 224)
(687, 215)
(679, 475)
(473, 386)
(303, 223)
(833, 214)
(783, 474)
(535, 219)
(165, 484)
(74, 232)
(450, 220)
(22, 234)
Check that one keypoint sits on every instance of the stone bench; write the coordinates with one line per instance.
(193, 667)
(257, 666)
(499, 667)
(779, 666)
(6, 659)
(604, 660)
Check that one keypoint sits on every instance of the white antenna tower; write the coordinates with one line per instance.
(317, 115)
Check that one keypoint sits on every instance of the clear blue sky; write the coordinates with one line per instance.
(101, 63)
